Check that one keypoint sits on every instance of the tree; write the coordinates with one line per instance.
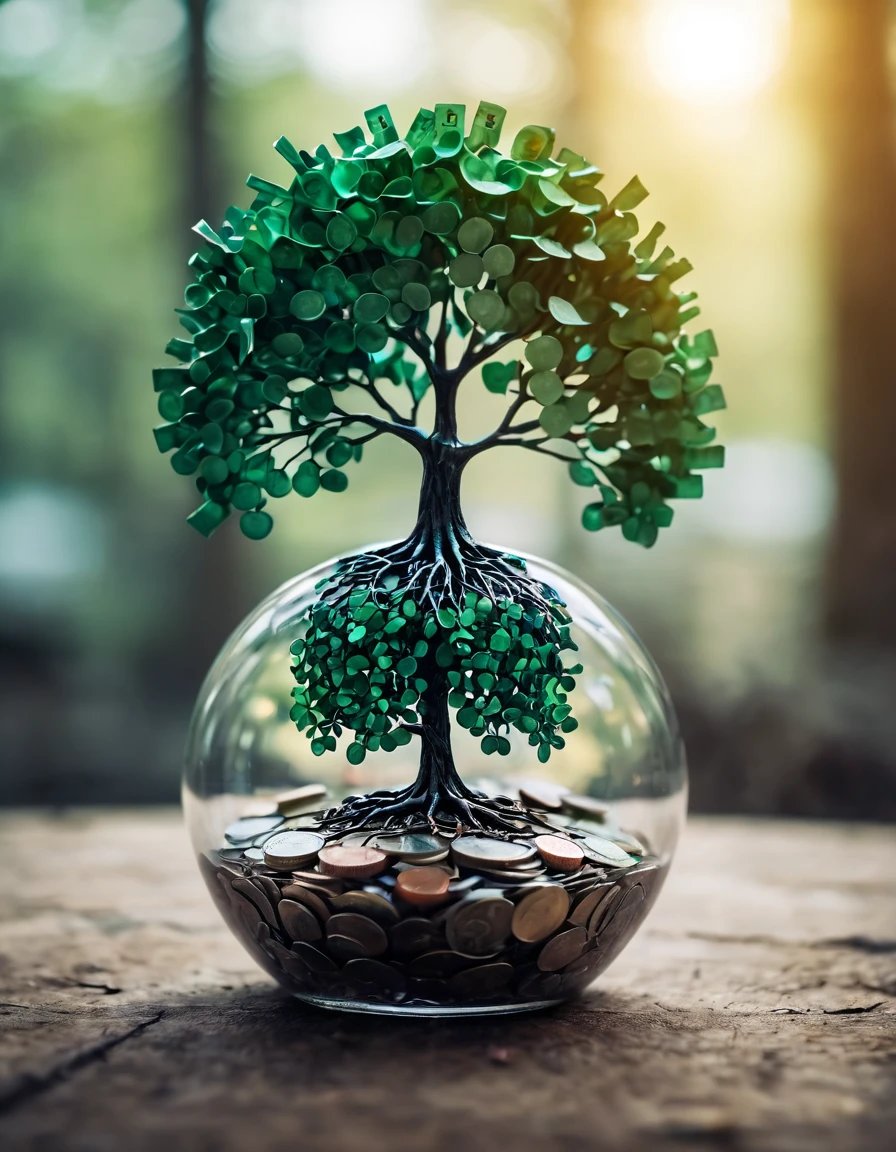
(357, 275)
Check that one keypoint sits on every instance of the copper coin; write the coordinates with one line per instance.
(413, 936)
(423, 886)
(542, 794)
(558, 852)
(267, 885)
(345, 948)
(587, 805)
(602, 851)
(482, 981)
(365, 932)
(585, 907)
(380, 978)
(480, 924)
(370, 904)
(304, 895)
(357, 862)
(473, 851)
(247, 889)
(287, 850)
(316, 960)
(540, 913)
(440, 963)
(293, 802)
(320, 880)
(562, 950)
(299, 923)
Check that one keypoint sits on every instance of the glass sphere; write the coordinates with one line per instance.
(618, 789)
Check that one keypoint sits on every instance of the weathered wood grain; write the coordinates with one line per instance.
(756, 1010)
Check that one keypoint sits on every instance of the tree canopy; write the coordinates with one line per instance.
(361, 270)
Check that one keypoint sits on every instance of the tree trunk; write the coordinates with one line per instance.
(851, 79)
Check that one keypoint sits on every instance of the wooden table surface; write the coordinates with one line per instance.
(755, 1010)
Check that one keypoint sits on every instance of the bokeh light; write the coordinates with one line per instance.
(715, 50)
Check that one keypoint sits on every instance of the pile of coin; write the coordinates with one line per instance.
(429, 919)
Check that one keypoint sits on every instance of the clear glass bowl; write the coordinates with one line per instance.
(621, 777)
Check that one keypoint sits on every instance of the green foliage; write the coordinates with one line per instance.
(325, 284)
(370, 657)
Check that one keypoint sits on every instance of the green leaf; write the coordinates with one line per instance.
(564, 312)
(582, 474)
(316, 402)
(256, 525)
(306, 480)
(544, 352)
(545, 387)
(497, 376)
(308, 305)
(333, 480)
(556, 419)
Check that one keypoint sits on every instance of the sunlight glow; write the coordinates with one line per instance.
(709, 51)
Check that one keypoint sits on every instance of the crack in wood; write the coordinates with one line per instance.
(18, 1090)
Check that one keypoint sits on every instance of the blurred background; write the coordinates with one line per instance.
(765, 133)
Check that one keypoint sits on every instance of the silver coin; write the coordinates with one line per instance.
(413, 847)
(366, 933)
(288, 850)
(299, 922)
(473, 851)
(255, 855)
(603, 851)
(251, 826)
(625, 840)
(480, 924)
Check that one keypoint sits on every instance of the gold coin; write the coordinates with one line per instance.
(540, 913)
(562, 949)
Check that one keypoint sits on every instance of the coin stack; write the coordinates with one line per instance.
(430, 920)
